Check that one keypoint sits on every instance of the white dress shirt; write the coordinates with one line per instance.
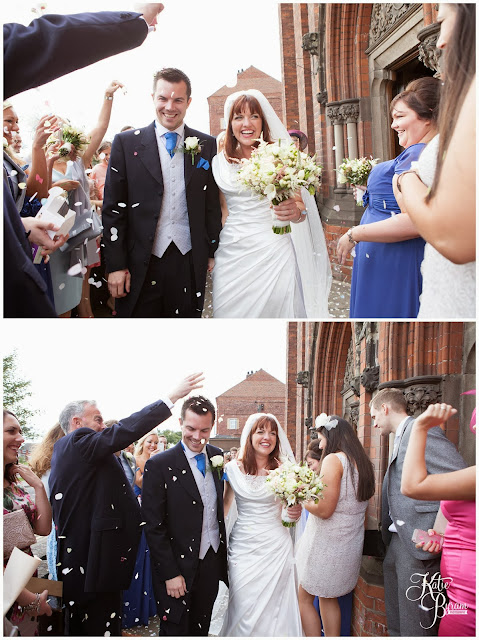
(397, 437)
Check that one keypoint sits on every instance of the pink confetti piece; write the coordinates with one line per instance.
(39, 179)
(135, 153)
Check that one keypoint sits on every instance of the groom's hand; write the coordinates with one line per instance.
(190, 383)
(119, 283)
(176, 587)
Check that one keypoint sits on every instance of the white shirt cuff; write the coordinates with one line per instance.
(150, 29)
(168, 402)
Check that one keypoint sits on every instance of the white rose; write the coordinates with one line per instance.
(191, 143)
(217, 461)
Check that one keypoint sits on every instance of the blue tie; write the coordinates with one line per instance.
(170, 138)
(201, 463)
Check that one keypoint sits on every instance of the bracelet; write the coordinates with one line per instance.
(108, 97)
(33, 606)
(350, 236)
(398, 183)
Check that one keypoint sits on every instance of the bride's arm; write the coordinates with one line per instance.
(224, 209)
(227, 497)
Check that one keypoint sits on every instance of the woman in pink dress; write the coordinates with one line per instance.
(457, 492)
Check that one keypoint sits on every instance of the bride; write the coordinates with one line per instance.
(263, 597)
(257, 273)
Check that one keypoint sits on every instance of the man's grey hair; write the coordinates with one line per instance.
(74, 409)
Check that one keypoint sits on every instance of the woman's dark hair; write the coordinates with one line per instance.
(239, 106)
(313, 450)
(422, 96)
(8, 475)
(249, 458)
(343, 438)
(458, 70)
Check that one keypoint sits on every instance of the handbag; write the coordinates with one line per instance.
(17, 532)
(87, 227)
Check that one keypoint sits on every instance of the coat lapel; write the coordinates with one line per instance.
(396, 449)
(189, 166)
(147, 149)
(184, 473)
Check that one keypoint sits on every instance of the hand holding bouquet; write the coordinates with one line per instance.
(71, 140)
(356, 172)
(278, 171)
(293, 484)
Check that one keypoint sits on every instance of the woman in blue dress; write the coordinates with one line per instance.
(139, 599)
(386, 280)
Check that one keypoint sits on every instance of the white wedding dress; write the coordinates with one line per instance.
(448, 289)
(263, 596)
(255, 273)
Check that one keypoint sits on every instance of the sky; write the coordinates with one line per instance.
(126, 364)
(209, 40)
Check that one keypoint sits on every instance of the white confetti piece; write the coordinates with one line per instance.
(22, 185)
(59, 496)
(184, 471)
(102, 156)
(49, 628)
(78, 204)
(65, 571)
(112, 615)
(198, 294)
(137, 132)
(13, 172)
(107, 634)
(153, 282)
(367, 255)
(69, 550)
(114, 238)
(122, 204)
(75, 270)
(205, 187)
(337, 207)
(114, 231)
(113, 169)
(71, 603)
(384, 204)
(137, 204)
(82, 570)
(400, 523)
(34, 196)
(334, 148)
(393, 213)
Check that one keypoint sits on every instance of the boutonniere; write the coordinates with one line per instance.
(217, 463)
(191, 146)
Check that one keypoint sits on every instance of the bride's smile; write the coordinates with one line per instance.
(264, 440)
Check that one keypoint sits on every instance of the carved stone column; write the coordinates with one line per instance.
(350, 112)
(333, 111)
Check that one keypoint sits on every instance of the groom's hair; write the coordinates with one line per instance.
(172, 75)
(392, 396)
(199, 405)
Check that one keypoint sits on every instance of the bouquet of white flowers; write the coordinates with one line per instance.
(71, 138)
(356, 172)
(277, 171)
(293, 484)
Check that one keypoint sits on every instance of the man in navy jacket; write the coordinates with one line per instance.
(96, 515)
(28, 54)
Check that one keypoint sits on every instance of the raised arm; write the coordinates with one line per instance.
(98, 133)
(416, 482)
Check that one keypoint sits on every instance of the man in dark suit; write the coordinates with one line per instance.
(49, 48)
(400, 515)
(96, 514)
(161, 211)
(183, 509)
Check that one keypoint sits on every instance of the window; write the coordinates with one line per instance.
(233, 423)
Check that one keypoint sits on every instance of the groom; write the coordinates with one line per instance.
(161, 211)
(182, 501)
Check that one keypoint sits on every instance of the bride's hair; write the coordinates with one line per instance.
(343, 438)
(239, 106)
(249, 458)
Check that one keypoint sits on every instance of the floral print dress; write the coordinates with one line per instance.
(14, 497)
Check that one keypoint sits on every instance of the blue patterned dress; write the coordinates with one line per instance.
(386, 280)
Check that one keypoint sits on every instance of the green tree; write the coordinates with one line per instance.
(173, 437)
(15, 395)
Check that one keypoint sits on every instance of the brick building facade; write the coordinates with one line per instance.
(342, 64)
(258, 392)
(337, 367)
(251, 78)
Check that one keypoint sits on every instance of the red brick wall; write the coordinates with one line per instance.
(369, 610)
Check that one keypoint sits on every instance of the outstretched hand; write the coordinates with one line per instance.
(435, 415)
(190, 383)
(150, 11)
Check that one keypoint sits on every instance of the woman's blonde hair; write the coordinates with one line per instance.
(139, 445)
(41, 457)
